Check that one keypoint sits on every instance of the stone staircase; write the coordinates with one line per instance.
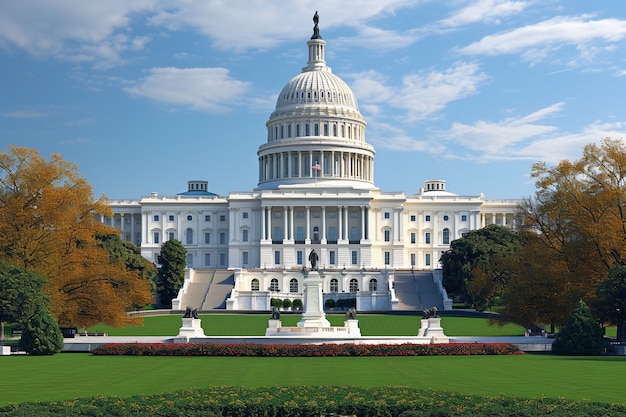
(416, 290)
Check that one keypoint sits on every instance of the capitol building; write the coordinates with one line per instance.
(315, 190)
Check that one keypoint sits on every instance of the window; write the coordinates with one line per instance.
(155, 237)
(412, 259)
(463, 217)
(222, 259)
(293, 285)
(245, 214)
(156, 217)
(387, 215)
(299, 233)
(316, 129)
(427, 238)
(222, 238)
(207, 218)
(331, 233)
(277, 257)
(373, 284)
(331, 257)
(354, 233)
(354, 257)
(428, 259)
(244, 258)
(427, 218)
(207, 259)
(316, 233)
(446, 236)
(387, 233)
(299, 257)
(412, 217)
(445, 218)
(325, 129)
(254, 285)
(274, 284)
(189, 218)
(297, 130)
(244, 235)
(170, 218)
(222, 217)
(189, 236)
(189, 260)
(278, 233)
(207, 238)
(307, 132)
(354, 285)
(413, 237)
(334, 285)
(387, 258)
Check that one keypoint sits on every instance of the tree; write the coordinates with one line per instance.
(20, 294)
(483, 256)
(171, 275)
(579, 213)
(611, 303)
(41, 335)
(48, 225)
(581, 334)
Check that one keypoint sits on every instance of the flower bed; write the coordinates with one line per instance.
(283, 350)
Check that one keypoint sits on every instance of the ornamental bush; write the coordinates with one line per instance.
(297, 303)
(276, 302)
(581, 334)
(287, 303)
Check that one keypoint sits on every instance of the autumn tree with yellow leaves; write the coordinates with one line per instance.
(48, 226)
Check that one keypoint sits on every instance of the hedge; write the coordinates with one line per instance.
(284, 350)
(313, 401)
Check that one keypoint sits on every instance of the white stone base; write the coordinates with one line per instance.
(435, 332)
(191, 328)
(423, 327)
(6, 351)
(350, 329)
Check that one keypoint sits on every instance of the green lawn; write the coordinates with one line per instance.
(255, 325)
(72, 375)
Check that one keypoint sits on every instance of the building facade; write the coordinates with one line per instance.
(315, 191)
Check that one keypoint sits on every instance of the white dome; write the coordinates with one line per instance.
(315, 88)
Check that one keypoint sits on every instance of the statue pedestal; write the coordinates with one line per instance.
(273, 327)
(191, 328)
(6, 351)
(313, 315)
(435, 331)
(352, 326)
(423, 327)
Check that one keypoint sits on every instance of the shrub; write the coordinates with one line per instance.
(276, 302)
(41, 334)
(330, 303)
(287, 303)
(297, 303)
(581, 334)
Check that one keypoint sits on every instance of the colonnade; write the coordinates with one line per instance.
(316, 164)
(289, 225)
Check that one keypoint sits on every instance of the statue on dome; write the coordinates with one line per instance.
(316, 30)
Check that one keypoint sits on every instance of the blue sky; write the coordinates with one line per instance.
(144, 95)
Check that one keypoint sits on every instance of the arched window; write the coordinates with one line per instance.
(293, 285)
(274, 284)
(316, 233)
(446, 236)
(254, 285)
(189, 236)
(354, 285)
(334, 285)
(373, 284)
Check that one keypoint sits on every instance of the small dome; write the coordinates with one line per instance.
(315, 88)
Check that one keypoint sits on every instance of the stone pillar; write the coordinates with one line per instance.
(263, 223)
(308, 225)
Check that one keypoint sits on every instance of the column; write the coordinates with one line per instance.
(340, 216)
(308, 225)
(263, 224)
(346, 227)
(269, 223)
(292, 235)
(145, 238)
(323, 225)
(362, 222)
(285, 219)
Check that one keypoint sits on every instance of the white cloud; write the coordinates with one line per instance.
(208, 89)
(485, 11)
(535, 40)
(25, 114)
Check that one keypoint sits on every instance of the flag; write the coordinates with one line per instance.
(316, 167)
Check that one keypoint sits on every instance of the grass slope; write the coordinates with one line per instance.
(72, 375)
